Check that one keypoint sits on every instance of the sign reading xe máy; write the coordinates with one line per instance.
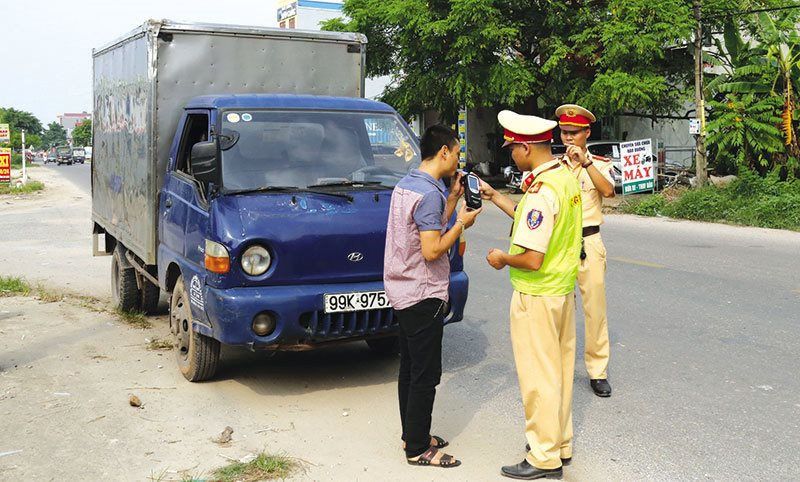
(638, 169)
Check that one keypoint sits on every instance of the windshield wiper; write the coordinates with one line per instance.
(266, 189)
(290, 189)
(334, 194)
(351, 184)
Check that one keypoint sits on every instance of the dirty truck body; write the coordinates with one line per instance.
(240, 171)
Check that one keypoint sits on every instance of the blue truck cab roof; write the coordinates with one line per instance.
(287, 101)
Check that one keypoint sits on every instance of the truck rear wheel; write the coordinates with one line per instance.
(123, 283)
(385, 346)
(197, 355)
(150, 294)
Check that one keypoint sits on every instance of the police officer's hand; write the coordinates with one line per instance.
(495, 258)
(456, 187)
(468, 216)
(576, 154)
(487, 191)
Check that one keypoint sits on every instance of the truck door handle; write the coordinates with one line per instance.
(168, 202)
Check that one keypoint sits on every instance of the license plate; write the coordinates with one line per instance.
(343, 302)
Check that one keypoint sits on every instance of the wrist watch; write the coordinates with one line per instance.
(585, 166)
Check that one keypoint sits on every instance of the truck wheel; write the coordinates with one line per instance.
(123, 283)
(197, 355)
(385, 346)
(149, 299)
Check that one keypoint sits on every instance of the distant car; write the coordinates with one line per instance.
(51, 157)
(64, 155)
(78, 155)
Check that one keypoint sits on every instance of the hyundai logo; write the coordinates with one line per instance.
(355, 257)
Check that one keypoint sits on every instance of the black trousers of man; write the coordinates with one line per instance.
(421, 328)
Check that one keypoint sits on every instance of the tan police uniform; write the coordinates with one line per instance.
(592, 272)
(542, 310)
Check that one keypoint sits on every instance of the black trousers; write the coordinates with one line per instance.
(420, 370)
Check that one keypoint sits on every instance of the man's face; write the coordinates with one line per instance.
(575, 136)
(451, 159)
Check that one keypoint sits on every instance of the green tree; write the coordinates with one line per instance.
(612, 56)
(17, 121)
(753, 117)
(55, 135)
(82, 134)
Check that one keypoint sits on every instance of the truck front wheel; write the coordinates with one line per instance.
(197, 355)
(123, 283)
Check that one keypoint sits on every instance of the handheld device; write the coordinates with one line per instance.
(472, 191)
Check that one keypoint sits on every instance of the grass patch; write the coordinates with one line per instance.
(13, 286)
(158, 344)
(750, 200)
(134, 318)
(30, 187)
(264, 467)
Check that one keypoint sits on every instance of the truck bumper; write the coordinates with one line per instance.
(301, 322)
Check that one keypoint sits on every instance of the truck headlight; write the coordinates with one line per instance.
(256, 260)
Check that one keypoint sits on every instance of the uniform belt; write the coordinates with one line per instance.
(590, 230)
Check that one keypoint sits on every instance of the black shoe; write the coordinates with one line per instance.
(566, 461)
(601, 387)
(524, 470)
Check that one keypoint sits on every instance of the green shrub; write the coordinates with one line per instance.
(750, 200)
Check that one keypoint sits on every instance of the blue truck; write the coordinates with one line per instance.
(239, 171)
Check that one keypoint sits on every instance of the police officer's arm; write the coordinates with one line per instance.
(599, 172)
(434, 244)
(529, 260)
(505, 203)
(601, 182)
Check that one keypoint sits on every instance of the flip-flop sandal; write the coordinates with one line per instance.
(440, 442)
(425, 460)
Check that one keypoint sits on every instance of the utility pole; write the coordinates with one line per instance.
(24, 170)
(699, 101)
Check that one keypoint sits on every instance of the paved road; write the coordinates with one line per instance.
(705, 333)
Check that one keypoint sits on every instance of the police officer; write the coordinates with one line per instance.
(594, 176)
(543, 264)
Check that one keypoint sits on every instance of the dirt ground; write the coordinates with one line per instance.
(67, 372)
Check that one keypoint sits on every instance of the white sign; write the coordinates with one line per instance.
(694, 126)
(638, 169)
(5, 133)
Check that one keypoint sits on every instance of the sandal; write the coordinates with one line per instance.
(440, 442)
(426, 459)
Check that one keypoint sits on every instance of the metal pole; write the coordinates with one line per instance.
(700, 155)
(24, 170)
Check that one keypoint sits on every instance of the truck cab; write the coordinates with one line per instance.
(64, 155)
(272, 224)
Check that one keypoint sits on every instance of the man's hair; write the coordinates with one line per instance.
(434, 138)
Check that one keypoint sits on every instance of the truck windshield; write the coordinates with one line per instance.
(307, 148)
(63, 150)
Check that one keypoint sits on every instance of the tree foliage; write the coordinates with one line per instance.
(82, 134)
(55, 135)
(612, 56)
(17, 121)
(753, 117)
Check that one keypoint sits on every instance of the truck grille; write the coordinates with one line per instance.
(343, 325)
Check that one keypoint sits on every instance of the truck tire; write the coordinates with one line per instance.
(123, 283)
(385, 346)
(197, 355)
(149, 298)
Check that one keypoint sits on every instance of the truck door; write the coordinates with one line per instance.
(182, 194)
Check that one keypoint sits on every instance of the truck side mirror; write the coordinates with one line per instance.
(204, 162)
